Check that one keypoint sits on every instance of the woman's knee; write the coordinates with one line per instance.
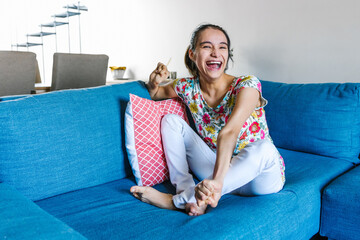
(263, 147)
(170, 120)
(259, 154)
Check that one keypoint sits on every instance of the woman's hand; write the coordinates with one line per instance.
(208, 192)
(163, 91)
(159, 75)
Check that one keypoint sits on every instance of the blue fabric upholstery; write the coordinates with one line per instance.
(21, 219)
(110, 209)
(66, 151)
(340, 209)
(8, 98)
(323, 119)
(65, 140)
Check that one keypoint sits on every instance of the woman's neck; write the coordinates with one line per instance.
(214, 90)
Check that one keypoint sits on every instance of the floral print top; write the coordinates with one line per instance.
(209, 121)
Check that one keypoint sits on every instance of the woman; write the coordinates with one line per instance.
(234, 152)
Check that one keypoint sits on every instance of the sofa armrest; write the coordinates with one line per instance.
(340, 211)
(21, 218)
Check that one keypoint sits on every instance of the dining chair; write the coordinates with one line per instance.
(78, 70)
(18, 72)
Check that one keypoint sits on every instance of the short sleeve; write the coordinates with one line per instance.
(252, 82)
(183, 87)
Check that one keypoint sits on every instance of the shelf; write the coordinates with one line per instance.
(40, 34)
(66, 14)
(71, 10)
(28, 44)
(77, 7)
(53, 24)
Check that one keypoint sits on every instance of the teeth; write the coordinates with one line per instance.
(214, 62)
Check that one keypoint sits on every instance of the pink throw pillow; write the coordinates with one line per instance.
(143, 137)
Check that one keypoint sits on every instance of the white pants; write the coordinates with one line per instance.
(254, 171)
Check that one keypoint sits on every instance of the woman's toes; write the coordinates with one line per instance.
(153, 197)
(192, 209)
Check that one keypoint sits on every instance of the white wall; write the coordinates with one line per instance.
(278, 40)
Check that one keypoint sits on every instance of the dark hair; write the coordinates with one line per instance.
(190, 65)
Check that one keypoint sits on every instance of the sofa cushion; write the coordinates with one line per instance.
(110, 211)
(66, 140)
(323, 119)
(340, 215)
(143, 137)
(21, 219)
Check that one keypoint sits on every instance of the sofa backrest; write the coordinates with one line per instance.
(322, 119)
(61, 141)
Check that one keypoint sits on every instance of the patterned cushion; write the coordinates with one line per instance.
(143, 138)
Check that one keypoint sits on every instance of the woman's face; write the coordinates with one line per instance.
(211, 53)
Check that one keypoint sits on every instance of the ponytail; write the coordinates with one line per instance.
(190, 65)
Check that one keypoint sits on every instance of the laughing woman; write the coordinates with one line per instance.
(233, 151)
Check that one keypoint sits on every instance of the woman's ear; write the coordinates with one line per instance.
(192, 55)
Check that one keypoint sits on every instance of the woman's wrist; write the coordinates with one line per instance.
(219, 179)
(220, 171)
(152, 88)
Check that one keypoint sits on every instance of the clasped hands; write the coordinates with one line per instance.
(208, 192)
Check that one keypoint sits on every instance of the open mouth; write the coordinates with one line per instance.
(214, 65)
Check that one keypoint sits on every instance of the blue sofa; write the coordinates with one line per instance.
(64, 172)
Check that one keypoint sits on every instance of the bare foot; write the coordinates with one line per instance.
(154, 197)
(192, 209)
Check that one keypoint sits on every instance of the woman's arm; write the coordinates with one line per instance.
(209, 190)
(156, 91)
